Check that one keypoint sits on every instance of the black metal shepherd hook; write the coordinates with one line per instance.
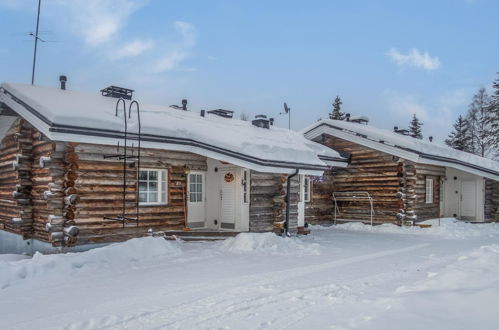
(138, 153)
(125, 157)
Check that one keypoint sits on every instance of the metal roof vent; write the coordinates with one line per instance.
(63, 80)
(117, 92)
(359, 119)
(182, 107)
(222, 113)
(261, 121)
(401, 131)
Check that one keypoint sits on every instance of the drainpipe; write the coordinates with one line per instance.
(288, 191)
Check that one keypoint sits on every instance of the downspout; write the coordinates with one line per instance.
(288, 192)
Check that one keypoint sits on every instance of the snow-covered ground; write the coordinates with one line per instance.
(350, 276)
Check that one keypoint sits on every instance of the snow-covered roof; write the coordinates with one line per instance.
(405, 146)
(65, 115)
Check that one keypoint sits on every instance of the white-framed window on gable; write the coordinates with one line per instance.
(153, 186)
(429, 191)
(306, 189)
(246, 186)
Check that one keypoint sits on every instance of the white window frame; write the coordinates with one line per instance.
(203, 196)
(429, 191)
(245, 181)
(306, 189)
(162, 191)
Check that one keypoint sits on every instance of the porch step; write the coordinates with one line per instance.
(196, 238)
(197, 235)
(207, 233)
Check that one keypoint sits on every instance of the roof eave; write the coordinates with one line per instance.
(412, 155)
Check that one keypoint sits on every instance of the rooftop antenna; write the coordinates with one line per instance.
(287, 110)
(36, 42)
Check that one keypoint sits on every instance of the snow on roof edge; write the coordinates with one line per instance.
(314, 149)
(423, 151)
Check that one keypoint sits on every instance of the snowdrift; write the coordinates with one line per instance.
(449, 228)
(269, 243)
(115, 256)
(475, 271)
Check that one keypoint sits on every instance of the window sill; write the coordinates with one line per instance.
(152, 204)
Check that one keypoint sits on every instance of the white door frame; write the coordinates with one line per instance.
(196, 211)
(469, 201)
(224, 197)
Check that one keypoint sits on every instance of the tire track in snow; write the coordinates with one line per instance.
(194, 311)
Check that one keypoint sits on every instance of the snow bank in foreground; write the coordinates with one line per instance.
(475, 271)
(448, 228)
(269, 243)
(115, 256)
(463, 295)
(12, 257)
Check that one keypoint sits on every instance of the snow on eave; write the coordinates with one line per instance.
(55, 113)
(406, 147)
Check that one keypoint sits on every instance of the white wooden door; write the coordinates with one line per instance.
(468, 200)
(196, 201)
(227, 199)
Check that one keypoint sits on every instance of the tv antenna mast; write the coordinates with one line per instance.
(36, 42)
(287, 110)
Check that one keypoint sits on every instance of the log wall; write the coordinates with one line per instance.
(267, 210)
(418, 176)
(491, 200)
(15, 179)
(396, 185)
(99, 183)
(371, 171)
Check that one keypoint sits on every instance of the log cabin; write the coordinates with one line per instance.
(80, 169)
(395, 178)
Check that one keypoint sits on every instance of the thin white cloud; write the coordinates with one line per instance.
(179, 51)
(415, 58)
(437, 113)
(133, 49)
(405, 105)
(170, 61)
(99, 21)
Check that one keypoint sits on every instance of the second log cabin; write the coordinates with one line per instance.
(394, 178)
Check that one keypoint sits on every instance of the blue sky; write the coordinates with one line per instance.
(386, 59)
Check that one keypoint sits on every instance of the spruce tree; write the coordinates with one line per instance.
(479, 123)
(459, 138)
(415, 128)
(336, 113)
(493, 117)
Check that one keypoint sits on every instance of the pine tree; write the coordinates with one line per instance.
(478, 117)
(415, 128)
(493, 118)
(336, 113)
(459, 138)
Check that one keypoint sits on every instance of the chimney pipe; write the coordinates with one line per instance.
(184, 104)
(62, 80)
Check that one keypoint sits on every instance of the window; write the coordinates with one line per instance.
(246, 186)
(195, 187)
(306, 189)
(429, 191)
(152, 186)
